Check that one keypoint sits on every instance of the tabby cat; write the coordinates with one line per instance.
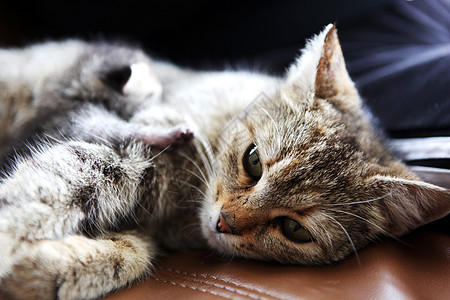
(287, 169)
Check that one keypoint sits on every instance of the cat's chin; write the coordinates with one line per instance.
(220, 243)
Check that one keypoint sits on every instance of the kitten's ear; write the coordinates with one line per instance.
(135, 80)
(332, 78)
(321, 70)
(411, 203)
(117, 78)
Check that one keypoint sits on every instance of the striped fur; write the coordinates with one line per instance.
(84, 211)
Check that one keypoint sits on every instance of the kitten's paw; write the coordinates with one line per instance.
(180, 135)
(174, 137)
(78, 267)
(106, 265)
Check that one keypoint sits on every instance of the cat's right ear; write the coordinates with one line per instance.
(133, 80)
(411, 203)
(117, 78)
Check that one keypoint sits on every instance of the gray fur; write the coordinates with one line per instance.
(84, 210)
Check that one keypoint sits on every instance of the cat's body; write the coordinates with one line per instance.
(72, 90)
(285, 169)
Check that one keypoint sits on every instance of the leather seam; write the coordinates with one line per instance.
(243, 293)
(252, 289)
(194, 288)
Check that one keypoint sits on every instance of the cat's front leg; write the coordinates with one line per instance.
(165, 138)
(54, 196)
(95, 124)
(78, 267)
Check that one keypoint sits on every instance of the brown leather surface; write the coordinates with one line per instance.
(419, 268)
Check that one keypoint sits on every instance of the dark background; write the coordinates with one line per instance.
(381, 39)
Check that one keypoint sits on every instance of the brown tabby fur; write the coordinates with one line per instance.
(83, 216)
(325, 167)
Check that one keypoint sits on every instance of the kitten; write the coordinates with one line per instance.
(285, 169)
(73, 90)
(66, 110)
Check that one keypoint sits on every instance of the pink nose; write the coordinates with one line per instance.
(222, 225)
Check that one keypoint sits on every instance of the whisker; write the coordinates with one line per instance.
(359, 202)
(274, 124)
(328, 235)
(191, 228)
(145, 209)
(160, 152)
(196, 166)
(131, 216)
(197, 176)
(206, 154)
(371, 223)
(98, 137)
(193, 187)
(347, 234)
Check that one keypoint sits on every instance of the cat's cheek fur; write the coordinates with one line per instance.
(208, 216)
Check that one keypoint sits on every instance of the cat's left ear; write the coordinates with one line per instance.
(332, 79)
(412, 203)
(321, 70)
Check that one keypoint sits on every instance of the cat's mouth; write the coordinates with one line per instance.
(217, 231)
(219, 241)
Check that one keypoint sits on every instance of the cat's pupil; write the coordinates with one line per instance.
(252, 164)
(294, 231)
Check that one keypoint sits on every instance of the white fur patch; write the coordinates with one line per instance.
(142, 82)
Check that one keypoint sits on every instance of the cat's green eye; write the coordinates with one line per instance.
(252, 165)
(294, 231)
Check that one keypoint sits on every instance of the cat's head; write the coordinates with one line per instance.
(306, 179)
